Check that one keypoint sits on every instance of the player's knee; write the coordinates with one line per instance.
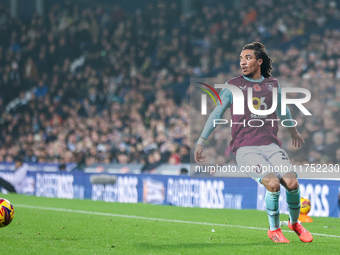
(272, 184)
(292, 184)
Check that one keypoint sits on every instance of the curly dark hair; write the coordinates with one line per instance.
(261, 53)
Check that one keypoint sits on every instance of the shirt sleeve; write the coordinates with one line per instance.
(217, 113)
(288, 115)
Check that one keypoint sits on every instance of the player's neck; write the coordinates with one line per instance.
(256, 76)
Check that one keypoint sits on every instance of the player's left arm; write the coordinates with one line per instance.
(294, 133)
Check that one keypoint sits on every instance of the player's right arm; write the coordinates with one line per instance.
(217, 113)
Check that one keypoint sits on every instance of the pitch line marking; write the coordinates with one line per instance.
(158, 219)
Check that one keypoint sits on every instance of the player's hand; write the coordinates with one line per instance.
(297, 139)
(198, 154)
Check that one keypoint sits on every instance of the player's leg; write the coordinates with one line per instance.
(250, 157)
(289, 180)
(272, 184)
(280, 160)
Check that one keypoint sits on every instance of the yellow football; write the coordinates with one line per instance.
(305, 205)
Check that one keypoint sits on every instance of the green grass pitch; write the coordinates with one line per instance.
(61, 226)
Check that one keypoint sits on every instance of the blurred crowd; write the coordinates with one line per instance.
(94, 85)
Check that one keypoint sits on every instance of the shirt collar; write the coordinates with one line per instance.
(259, 80)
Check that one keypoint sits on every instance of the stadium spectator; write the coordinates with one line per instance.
(41, 90)
(105, 78)
(18, 183)
(62, 167)
(184, 171)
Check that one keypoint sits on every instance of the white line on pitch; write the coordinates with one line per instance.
(148, 218)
